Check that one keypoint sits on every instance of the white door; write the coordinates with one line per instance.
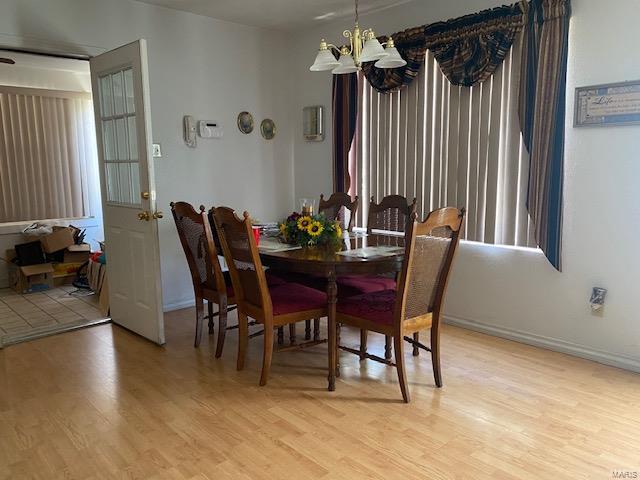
(120, 83)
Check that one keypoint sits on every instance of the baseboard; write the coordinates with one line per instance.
(557, 345)
(170, 307)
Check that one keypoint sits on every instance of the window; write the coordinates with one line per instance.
(447, 146)
(48, 162)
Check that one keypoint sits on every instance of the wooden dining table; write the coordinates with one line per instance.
(360, 254)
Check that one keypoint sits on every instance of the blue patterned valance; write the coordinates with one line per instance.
(469, 49)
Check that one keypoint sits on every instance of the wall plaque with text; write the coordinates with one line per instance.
(608, 105)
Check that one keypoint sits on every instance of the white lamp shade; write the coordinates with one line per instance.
(324, 61)
(347, 65)
(392, 60)
(372, 50)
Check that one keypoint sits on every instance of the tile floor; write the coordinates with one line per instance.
(22, 315)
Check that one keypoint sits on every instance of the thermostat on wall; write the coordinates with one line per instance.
(209, 129)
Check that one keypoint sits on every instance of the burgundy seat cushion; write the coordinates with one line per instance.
(272, 281)
(351, 285)
(376, 307)
(293, 297)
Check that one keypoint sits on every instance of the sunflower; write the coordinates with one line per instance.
(283, 228)
(338, 231)
(315, 228)
(304, 222)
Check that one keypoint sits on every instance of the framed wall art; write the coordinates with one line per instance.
(608, 105)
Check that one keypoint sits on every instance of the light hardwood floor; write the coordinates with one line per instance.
(102, 403)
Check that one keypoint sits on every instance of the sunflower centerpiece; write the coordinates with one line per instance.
(310, 230)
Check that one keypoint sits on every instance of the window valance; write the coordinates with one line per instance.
(411, 46)
(469, 49)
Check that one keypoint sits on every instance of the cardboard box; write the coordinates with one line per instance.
(77, 253)
(32, 278)
(59, 239)
(66, 269)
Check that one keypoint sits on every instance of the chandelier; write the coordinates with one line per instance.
(363, 47)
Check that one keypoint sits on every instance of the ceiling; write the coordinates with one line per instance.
(45, 62)
(283, 15)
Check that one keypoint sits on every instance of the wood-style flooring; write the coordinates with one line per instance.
(103, 403)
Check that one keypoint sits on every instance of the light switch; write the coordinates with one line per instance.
(157, 152)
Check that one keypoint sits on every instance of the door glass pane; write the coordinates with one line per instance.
(106, 98)
(133, 138)
(123, 142)
(135, 184)
(109, 140)
(124, 173)
(128, 90)
(118, 92)
(112, 182)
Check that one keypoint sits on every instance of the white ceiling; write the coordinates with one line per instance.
(45, 62)
(277, 14)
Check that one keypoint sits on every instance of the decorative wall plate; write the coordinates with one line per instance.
(268, 128)
(245, 122)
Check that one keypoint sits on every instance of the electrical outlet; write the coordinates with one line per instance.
(157, 152)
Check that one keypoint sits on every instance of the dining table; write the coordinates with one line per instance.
(360, 253)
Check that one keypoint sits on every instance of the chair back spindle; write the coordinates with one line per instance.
(392, 214)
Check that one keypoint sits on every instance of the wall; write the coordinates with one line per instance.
(49, 73)
(199, 66)
(515, 293)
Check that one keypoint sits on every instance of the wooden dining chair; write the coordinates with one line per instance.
(392, 214)
(274, 306)
(209, 282)
(417, 302)
(336, 207)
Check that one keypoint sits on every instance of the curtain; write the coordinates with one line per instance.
(47, 154)
(469, 49)
(344, 102)
(449, 145)
(542, 114)
(411, 46)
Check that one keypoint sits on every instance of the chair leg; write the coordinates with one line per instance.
(267, 353)
(387, 347)
(280, 335)
(435, 356)
(199, 319)
(316, 329)
(243, 338)
(338, 328)
(416, 338)
(307, 330)
(398, 347)
(222, 327)
(363, 343)
(292, 333)
(210, 312)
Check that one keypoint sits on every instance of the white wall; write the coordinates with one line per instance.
(200, 66)
(516, 293)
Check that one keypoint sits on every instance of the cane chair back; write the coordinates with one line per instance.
(429, 251)
(392, 214)
(199, 247)
(336, 207)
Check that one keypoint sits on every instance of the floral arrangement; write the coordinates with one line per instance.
(310, 230)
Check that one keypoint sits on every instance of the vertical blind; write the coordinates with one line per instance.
(47, 154)
(448, 146)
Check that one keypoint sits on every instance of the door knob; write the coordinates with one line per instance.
(144, 216)
(158, 215)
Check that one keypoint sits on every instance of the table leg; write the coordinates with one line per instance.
(332, 294)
